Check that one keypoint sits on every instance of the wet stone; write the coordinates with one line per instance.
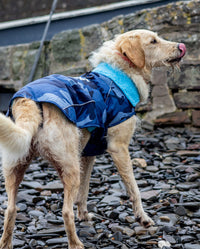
(113, 214)
(117, 236)
(21, 207)
(191, 246)
(187, 185)
(169, 229)
(187, 238)
(169, 220)
(189, 205)
(18, 242)
(33, 243)
(152, 168)
(57, 241)
(128, 231)
(122, 216)
(32, 185)
(139, 162)
(35, 213)
(149, 195)
(180, 211)
(162, 185)
(22, 218)
(110, 199)
(86, 232)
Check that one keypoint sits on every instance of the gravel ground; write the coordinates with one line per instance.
(170, 190)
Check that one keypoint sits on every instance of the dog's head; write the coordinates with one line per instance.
(145, 48)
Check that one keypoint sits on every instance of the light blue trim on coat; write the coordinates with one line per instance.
(123, 81)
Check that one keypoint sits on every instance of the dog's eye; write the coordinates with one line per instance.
(154, 41)
(124, 54)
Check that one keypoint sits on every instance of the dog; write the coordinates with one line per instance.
(37, 126)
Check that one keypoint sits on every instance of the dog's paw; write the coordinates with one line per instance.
(144, 220)
(84, 215)
(79, 245)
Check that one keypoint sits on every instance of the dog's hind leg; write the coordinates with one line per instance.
(15, 139)
(118, 142)
(86, 169)
(58, 142)
(13, 177)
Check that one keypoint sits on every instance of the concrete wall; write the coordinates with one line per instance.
(12, 9)
(175, 96)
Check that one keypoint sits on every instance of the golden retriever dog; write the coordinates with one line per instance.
(41, 128)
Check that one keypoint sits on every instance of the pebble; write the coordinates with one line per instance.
(21, 207)
(18, 243)
(35, 213)
(139, 162)
(57, 241)
(187, 185)
(164, 218)
(181, 211)
(169, 229)
(139, 230)
(166, 166)
(163, 243)
(149, 195)
(128, 231)
(117, 236)
(192, 246)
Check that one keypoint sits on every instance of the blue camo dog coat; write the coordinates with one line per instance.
(96, 100)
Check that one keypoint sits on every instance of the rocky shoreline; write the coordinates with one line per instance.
(168, 178)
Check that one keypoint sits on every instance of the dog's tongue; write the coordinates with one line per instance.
(182, 49)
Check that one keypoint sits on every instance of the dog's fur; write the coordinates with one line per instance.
(61, 142)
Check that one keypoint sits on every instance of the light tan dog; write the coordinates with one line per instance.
(52, 136)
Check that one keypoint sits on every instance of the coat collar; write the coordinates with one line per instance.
(122, 80)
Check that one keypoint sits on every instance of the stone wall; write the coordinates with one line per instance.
(175, 96)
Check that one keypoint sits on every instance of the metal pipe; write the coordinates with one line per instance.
(37, 57)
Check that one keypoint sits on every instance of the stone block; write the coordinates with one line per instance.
(188, 78)
(23, 57)
(4, 63)
(17, 66)
(159, 91)
(28, 64)
(187, 100)
(163, 104)
(159, 76)
(135, 21)
(174, 118)
(196, 118)
(66, 47)
(90, 39)
(112, 27)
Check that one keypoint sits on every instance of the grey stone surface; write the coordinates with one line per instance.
(187, 100)
(168, 197)
(66, 47)
(4, 63)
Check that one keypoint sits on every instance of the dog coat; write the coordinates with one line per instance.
(96, 100)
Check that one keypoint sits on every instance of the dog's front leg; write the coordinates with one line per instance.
(118, 142)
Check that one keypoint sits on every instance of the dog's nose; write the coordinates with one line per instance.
(182, 48)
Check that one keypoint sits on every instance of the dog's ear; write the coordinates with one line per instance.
(131, 48)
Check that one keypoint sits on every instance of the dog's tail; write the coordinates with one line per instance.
(12, 137)
(15, 138)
